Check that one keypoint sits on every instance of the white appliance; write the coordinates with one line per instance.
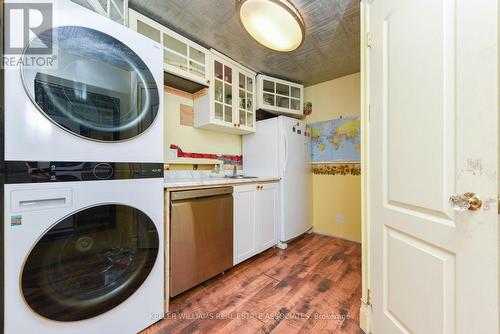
(102, 101)
(281, 147)
(84, 257)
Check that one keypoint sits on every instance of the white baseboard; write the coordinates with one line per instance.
(364, 317)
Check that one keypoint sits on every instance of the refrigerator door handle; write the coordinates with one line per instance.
(285, 165)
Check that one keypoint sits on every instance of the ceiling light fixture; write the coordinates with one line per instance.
(276, 24)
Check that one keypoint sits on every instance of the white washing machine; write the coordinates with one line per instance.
(85, 256)
(101, 101)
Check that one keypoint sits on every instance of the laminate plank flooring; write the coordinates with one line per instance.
(314, 286)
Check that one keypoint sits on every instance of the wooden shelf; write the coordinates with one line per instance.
(193, 161)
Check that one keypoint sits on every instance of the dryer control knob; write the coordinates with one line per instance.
(103, 171)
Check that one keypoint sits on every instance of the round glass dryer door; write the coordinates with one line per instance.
(89, 262)
(97, 88)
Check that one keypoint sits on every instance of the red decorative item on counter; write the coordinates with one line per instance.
(228, 159)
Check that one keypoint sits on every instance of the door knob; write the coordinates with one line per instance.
(467, 201)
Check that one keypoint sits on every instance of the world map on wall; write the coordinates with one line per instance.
(337, 140)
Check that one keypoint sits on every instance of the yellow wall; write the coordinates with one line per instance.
(194, 140)
(336, 198)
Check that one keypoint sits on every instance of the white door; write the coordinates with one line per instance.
(267, 215)
(433, 134)
(245, 229)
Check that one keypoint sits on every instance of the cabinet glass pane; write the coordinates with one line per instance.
(242, 99)
(295, 104)
(283, 102)
(219, 111)
(242, 81)
(228, 114)
(250, 119)
(228, 74)
(219, 93)
(197, 69)
(243, 117)
(175, 45)
(148, 31)
(268, 86)
(175, 60)
(249, 102)
(197, 55)
(282, 89)
(295, 92)
(228, 93)
(116, 12)
(269, 99)
(218, 71)
(249, 84)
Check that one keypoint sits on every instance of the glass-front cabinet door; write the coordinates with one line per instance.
(228, 105)
(280, 96)
(113, 9)
(181, 56)
(246, 100)
(223, 92)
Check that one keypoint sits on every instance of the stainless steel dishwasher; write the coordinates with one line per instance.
(201, 236)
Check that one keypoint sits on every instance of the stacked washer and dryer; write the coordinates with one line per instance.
(83, 193)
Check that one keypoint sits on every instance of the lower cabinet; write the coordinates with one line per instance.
(255, 219)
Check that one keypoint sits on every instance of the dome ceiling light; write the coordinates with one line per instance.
(276, 24)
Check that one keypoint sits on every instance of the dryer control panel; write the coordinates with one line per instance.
(52, 171)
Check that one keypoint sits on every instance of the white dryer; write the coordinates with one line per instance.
(85, 256)
(101, 101)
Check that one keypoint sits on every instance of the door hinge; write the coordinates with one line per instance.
(368, 40)
(369, 297)
(369, 113)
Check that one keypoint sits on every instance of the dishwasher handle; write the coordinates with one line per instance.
(200, 193)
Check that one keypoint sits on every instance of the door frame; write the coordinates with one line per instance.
(365, 309)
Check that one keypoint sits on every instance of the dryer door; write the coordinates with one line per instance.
(98, 88)
(90, 262)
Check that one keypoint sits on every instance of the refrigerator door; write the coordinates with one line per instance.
(261, 150)
(296, 184)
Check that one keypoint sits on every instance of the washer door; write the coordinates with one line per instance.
(90, 262)
(98, 88)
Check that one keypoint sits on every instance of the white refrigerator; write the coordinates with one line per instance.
(281, 147)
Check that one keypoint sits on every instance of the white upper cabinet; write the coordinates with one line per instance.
(279, 96)
(114, 9)
(181, 56)
(228, 105)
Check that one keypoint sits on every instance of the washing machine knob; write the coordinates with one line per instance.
(103, 171)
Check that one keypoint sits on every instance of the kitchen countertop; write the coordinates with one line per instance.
(216, 181)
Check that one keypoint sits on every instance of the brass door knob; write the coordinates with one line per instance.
(468, 201)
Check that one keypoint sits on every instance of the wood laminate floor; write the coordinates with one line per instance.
(312, 287)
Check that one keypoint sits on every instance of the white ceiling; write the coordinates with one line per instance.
(330, 50)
